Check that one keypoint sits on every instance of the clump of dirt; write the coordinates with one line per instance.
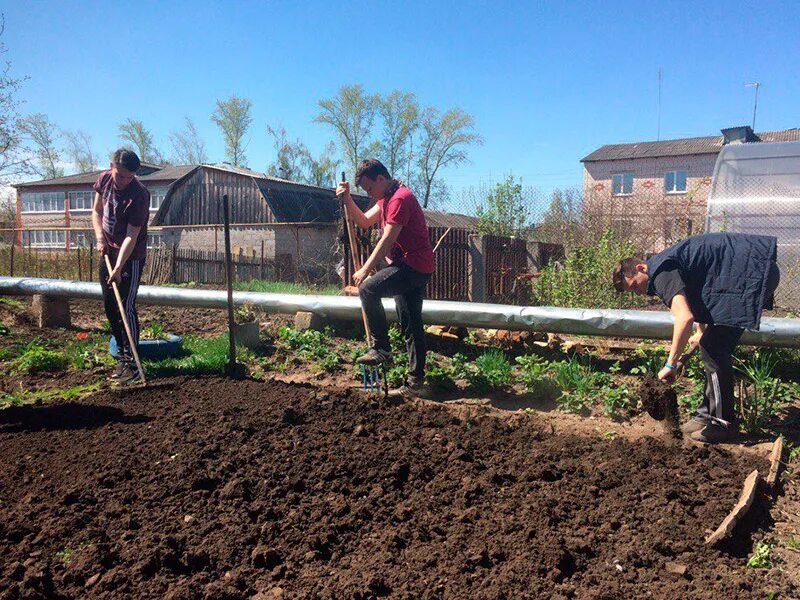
(240, 489)
(660, 401)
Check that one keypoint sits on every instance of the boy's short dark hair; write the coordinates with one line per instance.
(126, 158)
(371, 168)
(625, 268)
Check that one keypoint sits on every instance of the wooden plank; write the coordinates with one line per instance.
(740, 510)
(776, 465)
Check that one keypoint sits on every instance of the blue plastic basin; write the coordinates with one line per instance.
(152, 349)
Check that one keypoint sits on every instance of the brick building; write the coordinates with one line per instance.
(654, 193)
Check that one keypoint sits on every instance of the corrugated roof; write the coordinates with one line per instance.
(437, 218)
(168, 173)
(680, 147)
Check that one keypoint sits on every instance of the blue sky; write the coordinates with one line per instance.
(547, 82)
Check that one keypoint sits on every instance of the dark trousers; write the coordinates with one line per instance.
(717, 346)
(131, 275)
(407, 286)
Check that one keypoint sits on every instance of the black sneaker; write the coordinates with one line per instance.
(374, 357)
(130, 375)
(411, 389)
(715, 434)
(122, 365)
(696, 423)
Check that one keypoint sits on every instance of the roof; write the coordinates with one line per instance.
(680, 147)
(293, 203)
(164, 173)
(437, 218)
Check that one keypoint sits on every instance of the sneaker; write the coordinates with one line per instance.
(374, 357)
(715, 434)
(414, 390)
(121, 367)
(696, 423)
(130, 375)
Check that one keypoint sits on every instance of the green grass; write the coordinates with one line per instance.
(201, 356)
(11, 301)
(20, 397)
(285, 287)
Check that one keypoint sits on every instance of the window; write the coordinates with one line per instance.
(44, 238)
(42, 201)
(156, 197)
(81, 239)
(83, 200)
(155, 239)
(622, 184)
(675, 182)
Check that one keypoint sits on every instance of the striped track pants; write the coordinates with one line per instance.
(131, 275)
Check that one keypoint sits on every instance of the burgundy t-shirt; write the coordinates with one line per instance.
(413, 245)
(130, 206)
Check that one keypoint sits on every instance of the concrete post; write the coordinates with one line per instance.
(51, 312)
(477, 269)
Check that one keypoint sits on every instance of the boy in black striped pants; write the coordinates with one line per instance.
(120, 215)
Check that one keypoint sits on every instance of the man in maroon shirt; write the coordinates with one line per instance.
(120, 215)
(406, 246)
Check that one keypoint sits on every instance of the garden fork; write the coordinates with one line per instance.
(371, 375)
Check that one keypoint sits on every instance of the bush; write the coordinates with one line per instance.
(583, 280)
(495, 368)
(760, 392)
(35, 359)
(439, 379)
(533, 371)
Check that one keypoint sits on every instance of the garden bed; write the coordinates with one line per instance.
(220, 489)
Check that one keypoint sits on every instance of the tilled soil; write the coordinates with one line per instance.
(660, 401)
(220, 489)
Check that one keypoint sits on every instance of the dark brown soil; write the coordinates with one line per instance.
(219, 489)
(660, 401)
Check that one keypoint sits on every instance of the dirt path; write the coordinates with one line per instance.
(219, 489)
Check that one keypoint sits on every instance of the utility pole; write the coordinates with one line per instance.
(658, 135)
(756, 85)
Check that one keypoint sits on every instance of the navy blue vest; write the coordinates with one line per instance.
(725, 275)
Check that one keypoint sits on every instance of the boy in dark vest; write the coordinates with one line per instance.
(120, 215)
(722, 282)
(406, 246)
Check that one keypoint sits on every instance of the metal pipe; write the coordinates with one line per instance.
(574, 321)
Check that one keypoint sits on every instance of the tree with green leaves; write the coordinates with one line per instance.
(561, 223)
(134, 132)
(42, 135)
(321, 170)
(14, 155)
(289, 156)
(233, 118)
(445, 139)
(399, 112)
(79, 149)
(505, 212)
(187, 146)
(351, 113)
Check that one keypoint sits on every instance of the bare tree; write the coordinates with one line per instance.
(233, 118)
(290, 156)
(187, 145)
(136, 133)
(400, 114)
(444, 143)
(14, 156)
(43, 135)
(79, 148)
(351, 113)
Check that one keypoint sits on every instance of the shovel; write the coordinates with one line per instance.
(660, 400)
